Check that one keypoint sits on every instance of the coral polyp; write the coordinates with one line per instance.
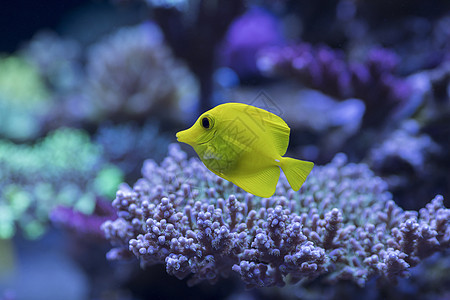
(342, 224)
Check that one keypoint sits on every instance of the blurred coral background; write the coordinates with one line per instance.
(97, 202)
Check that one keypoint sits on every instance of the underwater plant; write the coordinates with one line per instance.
(132, 74)
(342, 224)
(24, 98)
(64, 168)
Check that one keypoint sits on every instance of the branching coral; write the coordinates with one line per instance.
(342, 224)
(23, 98)
(132, 73)
(64, 168)
(325, 69)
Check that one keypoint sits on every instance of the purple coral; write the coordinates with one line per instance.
(407, 145)
(249, 33)
(406, 160)
(342, 224)
(325, 69)
(83, 224)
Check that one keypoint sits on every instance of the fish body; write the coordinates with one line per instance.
(245, 145)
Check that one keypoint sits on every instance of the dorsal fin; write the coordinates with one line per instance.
(273, 125)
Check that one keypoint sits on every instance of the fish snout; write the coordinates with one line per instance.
(194, 136)
(183, 137)
(179, 136)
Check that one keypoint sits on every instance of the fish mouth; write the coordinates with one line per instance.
(183, 137)
(178, 135)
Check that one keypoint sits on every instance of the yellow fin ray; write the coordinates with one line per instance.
(296, 171)
(261, 183)
(275, 126)
(280, 137)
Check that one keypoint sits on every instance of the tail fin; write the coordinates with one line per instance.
(296, 171)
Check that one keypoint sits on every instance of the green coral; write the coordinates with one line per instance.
(21, 81)
(64, 168)
(24, 98)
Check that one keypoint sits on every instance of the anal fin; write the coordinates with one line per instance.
(262, 183)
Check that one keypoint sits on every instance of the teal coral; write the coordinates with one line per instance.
(57, 59)
(24, 98)
(65, 168)
(20, 81)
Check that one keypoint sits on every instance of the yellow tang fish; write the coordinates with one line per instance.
(245, 144)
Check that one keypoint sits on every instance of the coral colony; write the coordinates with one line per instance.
(24, 99)
(132, 73)
(34, 179)
(342, 224)
(254, 30)
(57, 60)
(374, 81)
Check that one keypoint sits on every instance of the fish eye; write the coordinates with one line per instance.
(206, 123)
